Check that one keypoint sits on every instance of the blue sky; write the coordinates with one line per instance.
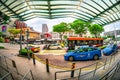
(36, 23)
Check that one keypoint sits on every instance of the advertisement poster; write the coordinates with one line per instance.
(4, 28)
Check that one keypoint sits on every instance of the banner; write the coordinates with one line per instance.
(4, 28)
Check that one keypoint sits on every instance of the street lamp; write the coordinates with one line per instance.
(115, 34)
(20, 37)
(27, 35)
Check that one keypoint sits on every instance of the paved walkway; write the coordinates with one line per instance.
(23, 64)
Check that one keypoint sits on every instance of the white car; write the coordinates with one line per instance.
(54, 46)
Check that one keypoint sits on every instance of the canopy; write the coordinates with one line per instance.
(97, 11)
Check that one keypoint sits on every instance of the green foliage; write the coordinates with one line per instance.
(102, 47)
(1, 47)
(4, 18)
(13, 31)
(79, 27)
(104, 37)
(96, 29)
(65, 37)
(62, 27)
(1, 33)
(24, 52)
(1, 39)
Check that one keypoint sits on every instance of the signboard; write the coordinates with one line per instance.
(4, 28)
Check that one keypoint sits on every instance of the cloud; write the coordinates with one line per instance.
(36, 23)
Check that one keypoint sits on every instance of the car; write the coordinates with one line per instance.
(54, 47)
(33, 48)
(111, 48)
(83, 53)
(118, 45)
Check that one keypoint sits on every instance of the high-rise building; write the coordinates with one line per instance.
(44, 28)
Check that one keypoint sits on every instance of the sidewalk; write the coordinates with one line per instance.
(23, 64)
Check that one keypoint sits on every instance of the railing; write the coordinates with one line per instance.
(11, 66)
(5, 74)
(110, 74)
(8, 76)
(81, 74)
(28, 76)
(8, 64)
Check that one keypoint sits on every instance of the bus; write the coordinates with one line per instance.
(79, 41)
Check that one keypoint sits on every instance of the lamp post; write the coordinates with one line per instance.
(27, 35)
(115, 34)
(20, 37)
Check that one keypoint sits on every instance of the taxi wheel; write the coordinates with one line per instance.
(71, 58)
(96, 57)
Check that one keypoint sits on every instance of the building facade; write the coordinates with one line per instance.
(44, 28)
(112, 33)
(56, 35)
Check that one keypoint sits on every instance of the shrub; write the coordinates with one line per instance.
(24, 52)
(102, 47)
(70, 50)
(1, 47)
(1, 39)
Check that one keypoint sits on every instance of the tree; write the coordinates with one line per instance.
(60, 28)
(1, 34)
(13, 31)
(96, 29)
(79, 26)
(4, 18)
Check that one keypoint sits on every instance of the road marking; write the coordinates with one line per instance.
(59, 67)
(52, 52)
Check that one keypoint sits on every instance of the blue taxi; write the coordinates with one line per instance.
(83, 53)
(110, 49)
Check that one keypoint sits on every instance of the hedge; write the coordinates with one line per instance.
(1, 40)
(24, 52)
(1, 47)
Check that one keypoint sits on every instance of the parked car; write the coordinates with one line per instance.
(54, 46)
(33, 48)
(83, 53)
(111, 48)
(118, 45)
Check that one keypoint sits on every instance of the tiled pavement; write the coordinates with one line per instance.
(23, 64)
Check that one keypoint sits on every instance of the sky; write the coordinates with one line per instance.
(112, 26)
(36, 23)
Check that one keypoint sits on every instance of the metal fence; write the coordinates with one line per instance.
(110, 74)
(10, 65)
(5, 74)
(28, 76)
(92, 74)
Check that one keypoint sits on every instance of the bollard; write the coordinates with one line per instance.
(33, 56)
(28, 55)
(72, 72)
(47, 65)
